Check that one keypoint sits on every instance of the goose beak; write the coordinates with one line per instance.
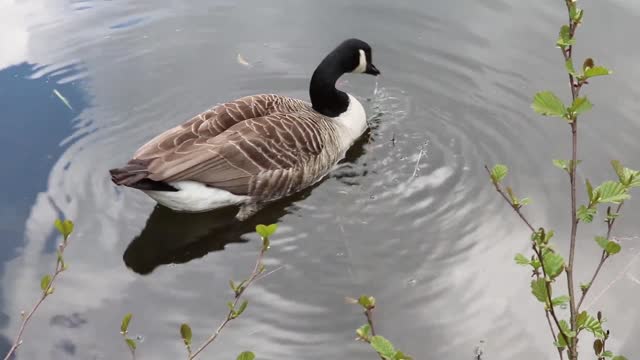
(372, 70)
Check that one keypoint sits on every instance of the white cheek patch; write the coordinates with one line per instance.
(362, 65)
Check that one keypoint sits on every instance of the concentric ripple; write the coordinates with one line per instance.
(408, 217)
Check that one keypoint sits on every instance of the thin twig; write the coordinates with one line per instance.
(60, 267)
(506, 198)
(368, 313)
(230, 315)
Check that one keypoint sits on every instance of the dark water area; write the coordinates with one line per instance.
(409, 218)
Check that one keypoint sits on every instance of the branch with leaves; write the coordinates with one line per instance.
(236, 308)
(367, 332)
(546, 263)
(65, 228)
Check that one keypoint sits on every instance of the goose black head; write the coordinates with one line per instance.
(355, 56)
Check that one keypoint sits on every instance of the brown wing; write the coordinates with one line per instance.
(230, 146)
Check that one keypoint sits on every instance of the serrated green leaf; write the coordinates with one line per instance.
(539, 290)
(596, 71)
(522, 260)
(266, 230)
(548, 104)
(185, 333)
(590, 324)
(586, 214)
(401, 356)
(524, 201)
(611, 192)
(383, 346)
(65, 228)
(45, 281)
(124, 326)
(560, 300)
(580, 105)
(612, 247)
(499, 172)
(131, 344)
(246, 355)
(242, 308)
(619, 357)
(607, 354)
(553, 264)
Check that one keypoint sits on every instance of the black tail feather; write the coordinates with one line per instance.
(134, 175)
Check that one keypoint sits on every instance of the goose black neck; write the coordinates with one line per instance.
(325, 98)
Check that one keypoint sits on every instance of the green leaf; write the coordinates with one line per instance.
(619, 169)
(607, 354)
(548, 104)
(242, 308)
(383, 346)
(367, 302)
(565, 37)
(560, 300)
(45, 282)
(125, 323)
(65, 228)
(522, 260)
(246, 355)
(131, 344)
(585, 287)
(539, 290)
(364, 331)
(553, 264)
(580, 105)
(589, 191)
(566, 329)
(401, 356)
(611, 192)
(602, 241)
(232, 285)
(581, 319)
(266, 231)
(560, 344)
(499, 172)
(569, 65)
(619, 357)
(590, 324)
(596, 71)
(185, 332)
(586, 214)
(562, 164)
(612, 247)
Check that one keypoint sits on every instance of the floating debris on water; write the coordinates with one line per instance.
(62, 98)
(242, 61)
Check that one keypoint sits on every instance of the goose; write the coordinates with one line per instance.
(255, 149)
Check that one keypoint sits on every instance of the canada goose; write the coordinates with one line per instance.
(255, 149)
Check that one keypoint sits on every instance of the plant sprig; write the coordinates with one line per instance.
(65, 228)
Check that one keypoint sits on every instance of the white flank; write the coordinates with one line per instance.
(193, 196)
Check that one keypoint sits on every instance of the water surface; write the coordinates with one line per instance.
(410, 218)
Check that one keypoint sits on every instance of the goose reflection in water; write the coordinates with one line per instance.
(171, 237)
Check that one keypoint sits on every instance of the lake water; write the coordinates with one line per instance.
(411, 218)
